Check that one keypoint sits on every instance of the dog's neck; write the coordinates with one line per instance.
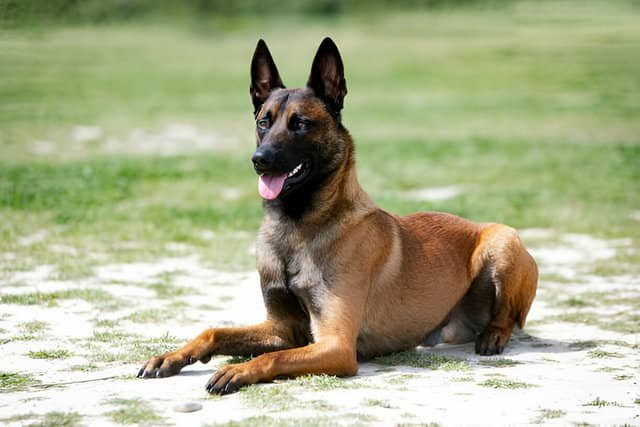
(333, 197)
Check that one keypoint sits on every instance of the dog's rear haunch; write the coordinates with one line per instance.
(341, 278)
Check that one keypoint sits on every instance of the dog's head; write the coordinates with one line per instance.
(298, 131)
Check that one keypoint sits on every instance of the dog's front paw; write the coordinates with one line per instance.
(231, 378)
(165, 365)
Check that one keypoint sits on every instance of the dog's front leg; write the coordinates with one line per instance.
(332, 356)
(239, 341)
(333, 352)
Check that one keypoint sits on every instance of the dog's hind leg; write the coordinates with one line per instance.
(471, 315)
(514, 273)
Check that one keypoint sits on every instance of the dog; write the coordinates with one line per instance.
(343, 280)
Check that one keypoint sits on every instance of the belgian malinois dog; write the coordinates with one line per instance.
(343, 280)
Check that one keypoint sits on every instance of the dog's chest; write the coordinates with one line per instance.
(306, 271)
(305, 278)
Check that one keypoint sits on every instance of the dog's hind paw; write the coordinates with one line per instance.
(490, 342)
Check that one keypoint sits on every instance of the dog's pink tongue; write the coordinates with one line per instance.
(270, 186)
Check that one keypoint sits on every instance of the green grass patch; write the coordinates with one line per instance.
(418, 359)
(266, 421)
(609, 369)
(584, 344)
(601, 403)
(463, 379)
(601, 354)
(150, 316)
(499, 362)
(87, 367)
(12, 381)
(112, 336)
(622, 377)
(379, 403)
(574, 302)
(548, 414)
(324, 382)
(50, 354)
(505, 383)
(623, 321)
(119, 346)
(277, 397)
(50, 299)
(133, 411)
(59, 419)
(34, 327)
(401, 379)
(106, 323)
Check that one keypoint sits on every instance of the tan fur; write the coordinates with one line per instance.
(350, 279)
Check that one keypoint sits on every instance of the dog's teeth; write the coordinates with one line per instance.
(295, 170)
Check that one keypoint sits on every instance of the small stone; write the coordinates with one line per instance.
(187, 407)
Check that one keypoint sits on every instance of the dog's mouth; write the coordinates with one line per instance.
(270, 186)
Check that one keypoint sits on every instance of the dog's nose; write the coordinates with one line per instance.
(263, 159)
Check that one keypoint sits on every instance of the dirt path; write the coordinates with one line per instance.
(70, 351)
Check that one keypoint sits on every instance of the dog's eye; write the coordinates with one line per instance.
(263, 124)
(299, 124)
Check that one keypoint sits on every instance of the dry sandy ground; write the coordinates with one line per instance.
(70, 351)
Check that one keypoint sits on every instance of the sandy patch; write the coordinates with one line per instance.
(555, 371)
(86, 133)
(433, 194)
(169, 140)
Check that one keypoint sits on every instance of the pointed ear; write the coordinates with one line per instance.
(327, 76)
(264, 76)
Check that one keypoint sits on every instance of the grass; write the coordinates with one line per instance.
(548, 414)
(623, 321)
(266, 421)
(12, 381)
(418, 359)
(324, 382)
(532, 109)
(505, 383)
(34, 327)
(51, 299)
(109, 346)
(622, 377)
(379, 403)
(59, 419)
(271, 397)
(401, 378)
(87, 367)
(133, 411)
(584, 344)
(50, 354)
(150, 316)
(601, 354)
(462, 379)
(601, 403)
(282, 396)
(498, 362)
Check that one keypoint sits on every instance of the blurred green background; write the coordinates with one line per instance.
(126, 126)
